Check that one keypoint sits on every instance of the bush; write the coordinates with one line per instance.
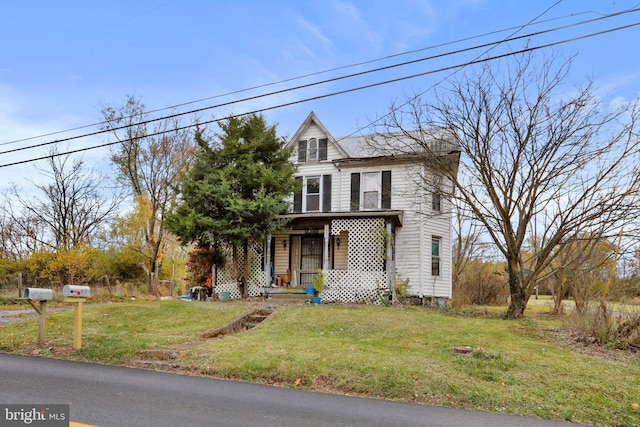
(481, 283)
(601, 326)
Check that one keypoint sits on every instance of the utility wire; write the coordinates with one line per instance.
(396, 108)
(308, 85)
(287, 80)
(368, 86)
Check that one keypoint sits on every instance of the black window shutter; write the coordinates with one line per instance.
(322, 149)
(355, 191)
(297, 197)
(386, 189)
(302, 151)
(326, 193)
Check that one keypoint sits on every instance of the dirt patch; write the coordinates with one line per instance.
(571, 339)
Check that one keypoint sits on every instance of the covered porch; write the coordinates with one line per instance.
(354, 250)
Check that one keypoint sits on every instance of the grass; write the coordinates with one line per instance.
(117, 333)
(403, 354)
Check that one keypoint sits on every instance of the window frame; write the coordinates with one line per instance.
(436, 194)
(436, 256)
(306, 194)
(363, 191)
(312, 149)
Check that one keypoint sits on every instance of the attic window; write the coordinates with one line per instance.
(312, 150)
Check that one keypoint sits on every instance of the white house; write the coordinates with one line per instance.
(363, 219)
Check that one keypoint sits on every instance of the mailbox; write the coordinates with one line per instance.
(37, 294)
(76, 291)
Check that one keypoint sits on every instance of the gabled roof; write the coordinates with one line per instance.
(313, 119)
(397, 146)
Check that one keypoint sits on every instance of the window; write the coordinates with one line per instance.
(436, 194)
(312, 191)
(312, 150)
(435, 256)
(314, 194)
(370, 190)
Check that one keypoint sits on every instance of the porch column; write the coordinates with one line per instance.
(325, 253)
(267, 261)
(391, 264)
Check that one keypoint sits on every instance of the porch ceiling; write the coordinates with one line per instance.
(314, 219)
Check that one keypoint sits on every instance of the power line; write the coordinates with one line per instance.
(517, 29)
(287, 80)
(342, 92)
(331, 80)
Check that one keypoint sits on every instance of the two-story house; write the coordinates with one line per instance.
(363, 218)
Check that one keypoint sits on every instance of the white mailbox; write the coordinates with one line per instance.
(37, 294)
(76, 291)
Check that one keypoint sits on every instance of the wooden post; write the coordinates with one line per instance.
(77, 328)
(42, 317)
(77, 324)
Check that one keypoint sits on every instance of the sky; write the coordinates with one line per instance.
(62, 61)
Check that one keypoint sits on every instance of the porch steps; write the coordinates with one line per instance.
(283, 294)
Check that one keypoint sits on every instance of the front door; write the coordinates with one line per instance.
(310, 258)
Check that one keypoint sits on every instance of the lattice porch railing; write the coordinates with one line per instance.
(355, 286)
(226, 280)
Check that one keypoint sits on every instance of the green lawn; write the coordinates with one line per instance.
(384, 352)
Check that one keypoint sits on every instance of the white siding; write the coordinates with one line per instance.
(412, 240)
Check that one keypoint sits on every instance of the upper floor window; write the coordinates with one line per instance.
(371, 185)
(313, 195)
(370, 190)
(312, 150)
(436, 194)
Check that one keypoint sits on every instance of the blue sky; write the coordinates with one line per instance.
(60, 61)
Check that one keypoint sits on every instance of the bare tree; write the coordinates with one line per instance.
(67, 209)
(540, 162)
(466, 242)
(62, 214)
(149, 160)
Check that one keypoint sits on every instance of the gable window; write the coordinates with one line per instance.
(435, 256)
(312, 150)
(370, 190)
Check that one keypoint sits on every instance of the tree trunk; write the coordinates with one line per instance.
(236, 270)
(558, 295)
(245, 273)
(518, 292)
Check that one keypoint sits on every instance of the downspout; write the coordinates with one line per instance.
(421, 269)
(339, 187)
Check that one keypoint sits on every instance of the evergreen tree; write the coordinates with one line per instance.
(235, 190)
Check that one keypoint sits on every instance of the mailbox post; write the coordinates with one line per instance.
(41, 295)
(77, 295)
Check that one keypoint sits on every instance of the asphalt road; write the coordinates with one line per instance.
(116, 396)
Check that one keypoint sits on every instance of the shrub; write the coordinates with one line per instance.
(600, 326)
